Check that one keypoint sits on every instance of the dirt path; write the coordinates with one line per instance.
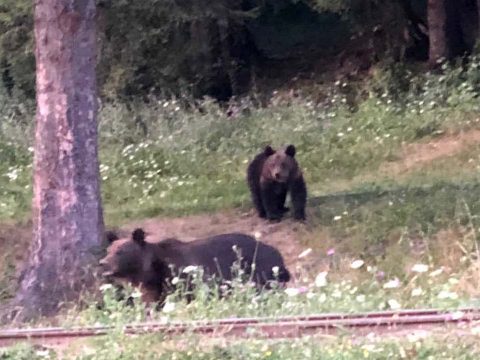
(416, 155)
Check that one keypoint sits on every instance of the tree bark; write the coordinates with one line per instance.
(437, 18)
(67, 211)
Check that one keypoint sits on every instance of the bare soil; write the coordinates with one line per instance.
(416, 155)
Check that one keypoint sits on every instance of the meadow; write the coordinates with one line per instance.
(392, 167)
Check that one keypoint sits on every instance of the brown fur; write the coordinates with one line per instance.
(271, 175)
(148, 265)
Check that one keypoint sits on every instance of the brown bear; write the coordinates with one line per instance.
(270, 176)
(149, 265)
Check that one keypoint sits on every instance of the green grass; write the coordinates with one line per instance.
(194, 161)
(309, 348)
(115, 346)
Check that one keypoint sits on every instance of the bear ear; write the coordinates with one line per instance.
(290, 150)
(268, 150)
(111, 236)
(138, 236)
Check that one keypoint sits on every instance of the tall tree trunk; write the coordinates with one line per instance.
(478, 20)
(67, 211)
(446, 34)
(437, 18)
(456, 39)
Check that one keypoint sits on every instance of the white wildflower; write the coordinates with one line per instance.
(321, 279)
(417, 292)
(292, 292)
(394, 304)
(305, 253)
(436, 272)
(420, 268)
(357, 264)
(392, 284)
(189, 269)
(360, 298)
(42, 353)
(168, 307)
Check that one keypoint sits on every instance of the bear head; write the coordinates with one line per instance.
(127, 258)
(281, 165)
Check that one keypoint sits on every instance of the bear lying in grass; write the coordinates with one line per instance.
(149, 265)
(270, 176)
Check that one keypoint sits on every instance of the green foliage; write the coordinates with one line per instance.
(200, 48)
(17, 63)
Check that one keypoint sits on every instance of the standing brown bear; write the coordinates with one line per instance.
(149, 265)
(272, 174)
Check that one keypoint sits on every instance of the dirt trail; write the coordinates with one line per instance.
(418, 154)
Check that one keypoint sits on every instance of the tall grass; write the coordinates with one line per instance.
(169, 157)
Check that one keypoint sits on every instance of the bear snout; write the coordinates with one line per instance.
(107, 271)
(280, 177)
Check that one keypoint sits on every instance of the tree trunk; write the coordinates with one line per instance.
(437, 18)
(446, 34)
(456, 38)
(67, 211)
(478, 19)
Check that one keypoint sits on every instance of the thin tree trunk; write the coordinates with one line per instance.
(437, 19)
(478, 20)
(67, 212)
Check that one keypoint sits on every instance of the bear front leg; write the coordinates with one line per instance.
(257, 202)
(270, 203)
(298, 193)
(282, 197)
